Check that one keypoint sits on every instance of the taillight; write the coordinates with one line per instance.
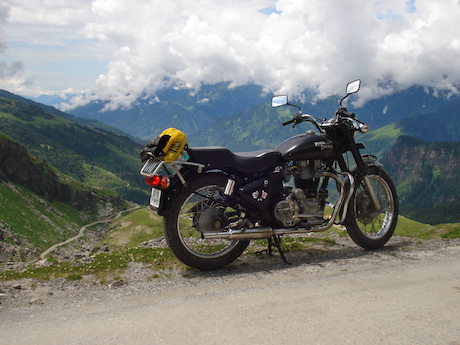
(157, 181)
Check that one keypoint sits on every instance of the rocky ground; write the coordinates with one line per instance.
(137, 278)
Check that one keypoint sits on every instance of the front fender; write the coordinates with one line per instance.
(369, 161)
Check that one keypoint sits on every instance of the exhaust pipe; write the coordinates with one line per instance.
(265, 232)
(241, 234)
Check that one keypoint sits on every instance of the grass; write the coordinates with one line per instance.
(128, 231)
(74, 276)
(381, 140)
(455, 233)
(96, 176)
(291, 244)
(35, 221)
(134, 228)
(103, 265)
(410, 228)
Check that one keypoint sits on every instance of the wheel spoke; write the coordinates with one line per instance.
(368, 227)
(202, 212)
(371, 223)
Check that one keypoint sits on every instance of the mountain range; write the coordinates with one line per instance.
(204, 111)
(189, 112)
(415, 135)
(426, 175)
(243, 120)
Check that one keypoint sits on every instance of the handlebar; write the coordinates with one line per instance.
(299, 118)
(285, 123)
(321, 125)
(345, 113)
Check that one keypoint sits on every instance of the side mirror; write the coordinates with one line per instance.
(278, 101)
(353, 87)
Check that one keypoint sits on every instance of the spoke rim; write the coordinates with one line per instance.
(373, 224)
(198, 214)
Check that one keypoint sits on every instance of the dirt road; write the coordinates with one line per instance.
(81, 232)
(395, 296)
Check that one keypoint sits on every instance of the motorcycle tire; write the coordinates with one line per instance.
(193, 212)
(369, 228)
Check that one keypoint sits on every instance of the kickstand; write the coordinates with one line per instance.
(276, 241)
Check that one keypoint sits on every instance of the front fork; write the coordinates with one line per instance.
(362, 170)
(372, 194)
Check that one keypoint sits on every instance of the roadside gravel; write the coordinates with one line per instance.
(138, 278)
(405, 293)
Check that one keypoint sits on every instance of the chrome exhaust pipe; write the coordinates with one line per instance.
(258, 233)
(241, 234)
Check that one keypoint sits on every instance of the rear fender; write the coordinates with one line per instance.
(176, 186)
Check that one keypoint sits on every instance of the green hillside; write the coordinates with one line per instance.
(39, 206)
(427, 176)
(380, 141)
(441, 125)
(88, 154)
(32, 222)
(54, 111)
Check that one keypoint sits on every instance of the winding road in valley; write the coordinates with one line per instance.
(82, 232)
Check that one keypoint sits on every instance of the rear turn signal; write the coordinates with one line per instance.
(164, 182)
(157, 181)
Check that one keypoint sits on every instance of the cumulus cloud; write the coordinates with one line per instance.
(11, 74)
(283, 45)
(48, 37)
(50, 22)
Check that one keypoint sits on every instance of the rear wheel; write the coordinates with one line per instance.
(370, 228)
(196, 210)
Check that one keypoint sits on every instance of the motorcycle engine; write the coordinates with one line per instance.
(307, 170)
(301, 202)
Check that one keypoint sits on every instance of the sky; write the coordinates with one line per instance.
(120, 51)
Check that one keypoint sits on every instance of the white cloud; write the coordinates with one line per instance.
(283, 45)
(48, 38)
(12, 74)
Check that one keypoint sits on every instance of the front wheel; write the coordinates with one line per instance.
(370, 228)
(199, 208)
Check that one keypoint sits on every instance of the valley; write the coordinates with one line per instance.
(61, 171)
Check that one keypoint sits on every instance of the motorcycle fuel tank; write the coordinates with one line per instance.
(310, 145)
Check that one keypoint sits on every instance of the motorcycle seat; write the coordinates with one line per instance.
(247, 162)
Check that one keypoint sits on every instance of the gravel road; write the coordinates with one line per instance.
(406, 293)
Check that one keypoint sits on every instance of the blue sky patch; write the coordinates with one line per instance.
(269, 10)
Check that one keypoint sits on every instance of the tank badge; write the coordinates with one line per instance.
(323, 145)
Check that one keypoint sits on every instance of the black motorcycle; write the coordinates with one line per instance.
(214, 201)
